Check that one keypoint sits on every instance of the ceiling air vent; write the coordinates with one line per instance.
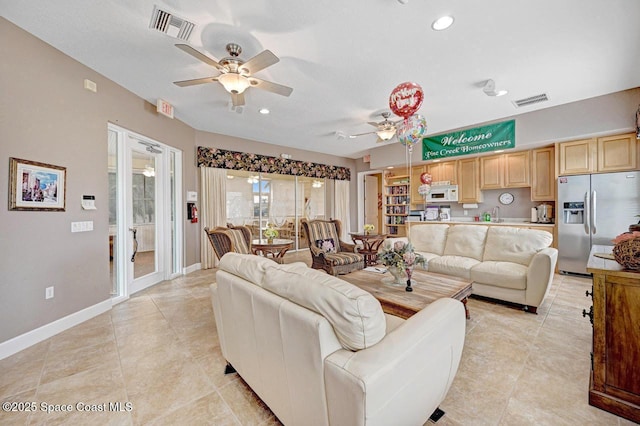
(531, 100)
(171, 24)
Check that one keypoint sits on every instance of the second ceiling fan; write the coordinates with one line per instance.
(236, 75)
(386, 129)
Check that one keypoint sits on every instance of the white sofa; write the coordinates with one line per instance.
(318, 350)
(504, 262)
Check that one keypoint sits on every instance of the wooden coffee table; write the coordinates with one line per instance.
(427, 287)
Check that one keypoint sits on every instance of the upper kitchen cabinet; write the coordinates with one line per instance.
(444, 171)
(606, 154)
(576, 157)
(416, 198)
(543, 174)
(505, 171)
(516, 169)
(468, 177)
(617, 153)
(491, 175)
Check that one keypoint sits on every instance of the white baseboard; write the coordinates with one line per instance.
(191, 268)
(30, 338)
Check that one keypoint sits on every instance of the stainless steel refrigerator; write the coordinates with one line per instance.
(593, 209)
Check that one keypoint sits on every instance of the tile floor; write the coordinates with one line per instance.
(159, 352)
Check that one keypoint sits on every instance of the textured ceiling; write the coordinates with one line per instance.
(343, 59)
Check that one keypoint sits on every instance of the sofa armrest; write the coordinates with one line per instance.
(540, 275)
(403, 378)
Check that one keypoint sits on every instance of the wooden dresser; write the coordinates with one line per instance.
(615, 373)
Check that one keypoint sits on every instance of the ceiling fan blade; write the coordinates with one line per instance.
(362, 134)
(185, 83)
(200, 56)
(260, 62)
(237, 99)
(373, 123)
(270, 86)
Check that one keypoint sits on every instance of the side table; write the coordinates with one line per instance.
(274, 250)
(370, 244)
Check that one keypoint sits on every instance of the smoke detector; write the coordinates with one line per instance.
(171, 24)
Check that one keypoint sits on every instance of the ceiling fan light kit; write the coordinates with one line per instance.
(235, 73)
(234, 83)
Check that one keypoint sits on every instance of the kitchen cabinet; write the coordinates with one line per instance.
(491, 175)
(614, 384)
(443, 171)
(516, 169)
(576, 157)
(616, 153)
(468, 181)
(505, 171)
(416, 198)
(543, 182)
(396, 203)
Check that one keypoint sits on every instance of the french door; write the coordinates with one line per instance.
(145, 213)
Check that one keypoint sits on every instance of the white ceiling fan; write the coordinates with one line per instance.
(386, 129)
(236, 75)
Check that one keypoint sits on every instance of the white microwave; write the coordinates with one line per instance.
(443, 193)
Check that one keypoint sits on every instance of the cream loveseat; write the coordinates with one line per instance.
(318, 350)
(506, 263)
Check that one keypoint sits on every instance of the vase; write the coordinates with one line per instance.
(269, 240)
(398, 276)
(409, 271)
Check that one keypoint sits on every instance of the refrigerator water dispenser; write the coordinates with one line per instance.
(573, 212)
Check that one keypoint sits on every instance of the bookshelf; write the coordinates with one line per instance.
(396, 203)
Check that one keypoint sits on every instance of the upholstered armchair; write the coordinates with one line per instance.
(328, 252)
(235, 239)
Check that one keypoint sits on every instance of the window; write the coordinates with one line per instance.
(143, 199)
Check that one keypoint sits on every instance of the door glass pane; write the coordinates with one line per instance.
(175, 261)
(112, 170)
(143, 208)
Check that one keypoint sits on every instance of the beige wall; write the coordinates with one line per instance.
(46, 115)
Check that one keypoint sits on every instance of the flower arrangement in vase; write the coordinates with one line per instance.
(270, 233)
(368, 228)
(401, 258)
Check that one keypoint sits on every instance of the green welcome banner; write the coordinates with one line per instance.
(470, 141)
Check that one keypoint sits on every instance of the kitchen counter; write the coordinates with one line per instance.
(470, 221)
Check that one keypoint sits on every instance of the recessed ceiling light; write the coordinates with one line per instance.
(264, 111)
(442, 23)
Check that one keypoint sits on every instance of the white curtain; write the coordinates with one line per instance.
(213, 203)
(342, 207)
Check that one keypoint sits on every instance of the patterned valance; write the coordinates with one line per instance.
(233, 160)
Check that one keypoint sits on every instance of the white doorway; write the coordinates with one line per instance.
(145, 234)
(371, 191)
(363, 212)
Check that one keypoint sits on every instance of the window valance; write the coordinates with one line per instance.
(233, 160)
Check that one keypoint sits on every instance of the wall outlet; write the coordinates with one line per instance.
(48, 293)
(466, 213)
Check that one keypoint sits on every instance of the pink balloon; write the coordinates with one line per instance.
(406, 99)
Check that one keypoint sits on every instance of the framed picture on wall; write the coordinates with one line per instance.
(36, 186)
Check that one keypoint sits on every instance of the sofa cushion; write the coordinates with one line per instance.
(236, 264)
(517, 245)
(500, 274)
(356, 316)
(429, 238)
(458, 266)
(466, 241)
